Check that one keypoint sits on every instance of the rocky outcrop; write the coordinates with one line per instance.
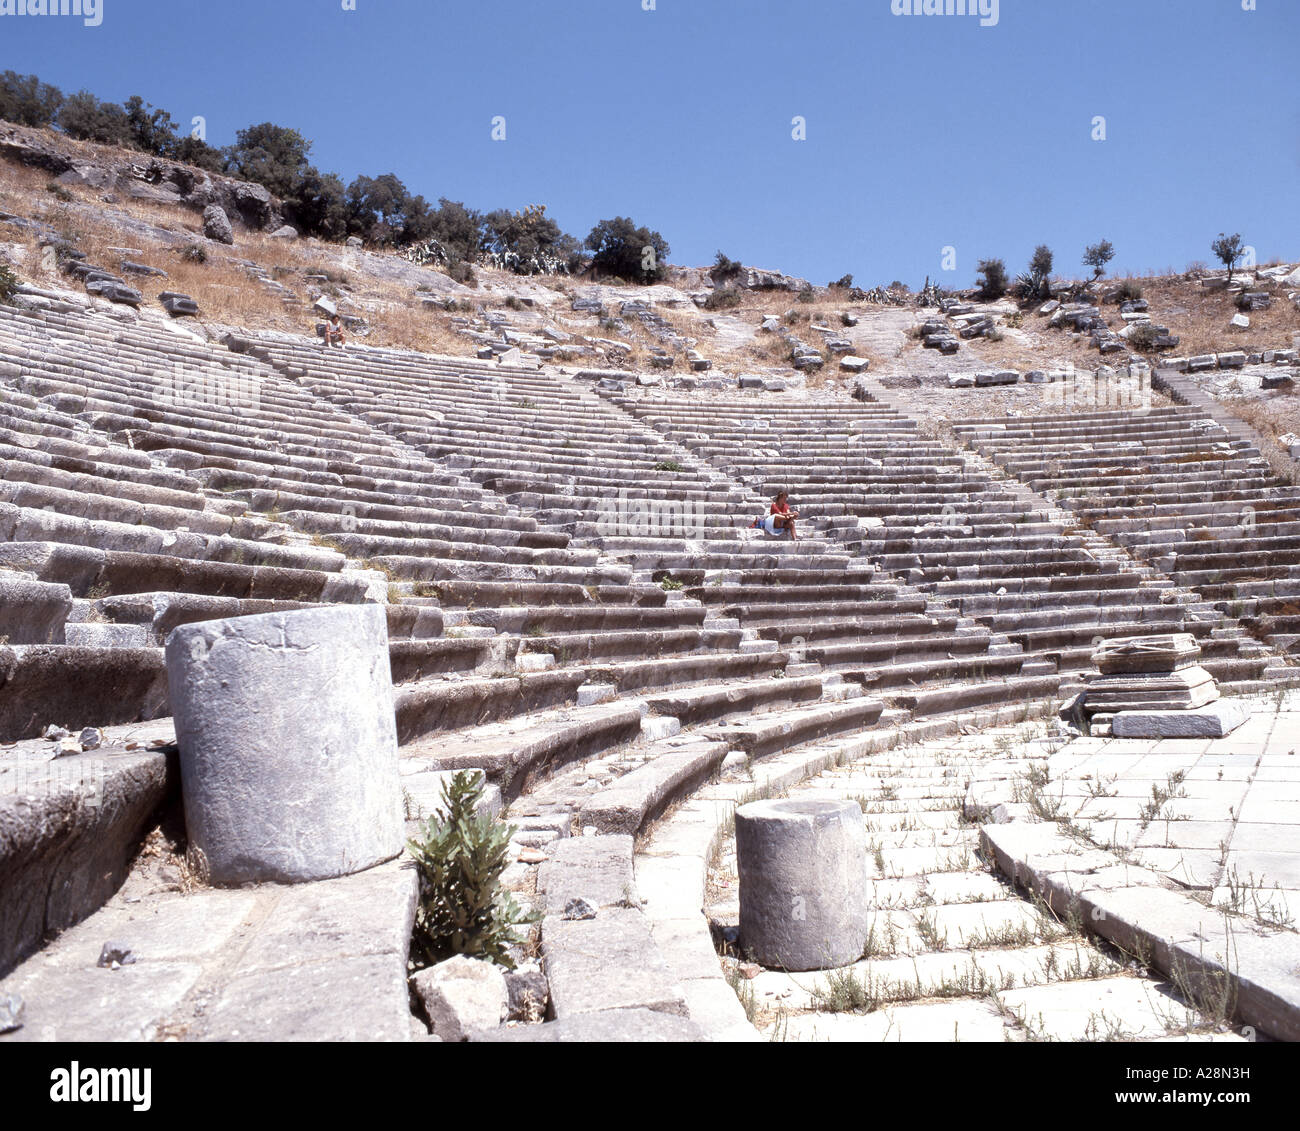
(140, 177)
(756, 279)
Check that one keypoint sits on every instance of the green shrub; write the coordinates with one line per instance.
(460, 858)
(463, 272)
(59, 192)
(992, 275)
(670, 585)
(669, 465)
(806, 295)
(1130, 290)
(8, 282)
(1032, 284)
(844, 283)
(1142, 337)
(724, 269)
(620, 248)
(1227, 250)
(723, 298)
(1097, 255)
(26, 100)
(195, 253)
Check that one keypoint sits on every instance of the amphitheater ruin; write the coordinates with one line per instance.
(555, 545)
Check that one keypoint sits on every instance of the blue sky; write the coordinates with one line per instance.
(923, 132)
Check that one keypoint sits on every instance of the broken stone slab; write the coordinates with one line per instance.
(1215, 721)
(1138, 654)
(597, 869)
(855, 364)
(607, 963)
(462, 995)
(288, 743)
(132, 268)
(1183, 690)
(177, 304)
(115, 292)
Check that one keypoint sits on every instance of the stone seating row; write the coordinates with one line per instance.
(1183, 493)
(927, 517)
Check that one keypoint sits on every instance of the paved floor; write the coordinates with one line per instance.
(1217, 816)
(956, 953)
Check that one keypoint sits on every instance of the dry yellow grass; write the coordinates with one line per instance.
(1201, 317)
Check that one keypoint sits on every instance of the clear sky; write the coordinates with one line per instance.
(922, 132)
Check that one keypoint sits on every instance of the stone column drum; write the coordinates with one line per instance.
(803, 883)
(288, 743)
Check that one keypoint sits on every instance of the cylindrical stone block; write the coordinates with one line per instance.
(288, 743)
(803, 883)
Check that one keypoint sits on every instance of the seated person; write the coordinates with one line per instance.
(780, 518)
(334, 331)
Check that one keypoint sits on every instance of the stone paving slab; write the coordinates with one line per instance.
(319, 961)
(1237, 965)
(69, 827)
(609, 962)
(960, 1021)
(1115, 1009)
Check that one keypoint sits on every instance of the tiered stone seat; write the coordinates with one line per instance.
(152, 479)
(677, 571)
(923, 513)
(1179, 491)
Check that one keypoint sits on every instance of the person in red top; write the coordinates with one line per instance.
(782, 516)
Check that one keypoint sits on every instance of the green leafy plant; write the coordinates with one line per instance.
(460, 857)
(1227, 250)
(723, 298)
(992, 278)
(8, 282)
(725, 269)
(1097, 255)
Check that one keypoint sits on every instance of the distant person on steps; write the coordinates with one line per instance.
(334, 331)
(780, 518)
